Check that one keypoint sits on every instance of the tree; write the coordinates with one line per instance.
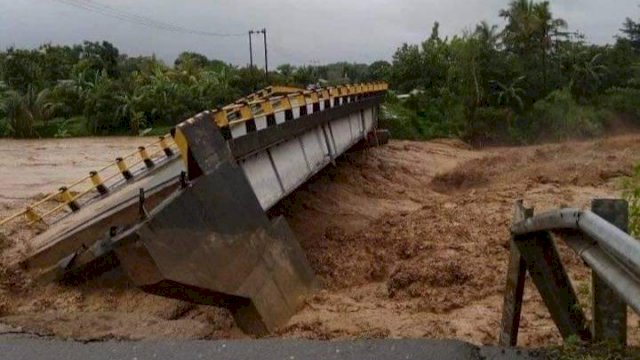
(530, 34)
(193, 58)
(631, 30)
(24, 111)
(102, 99)
(380, 71)
(406, 72)
(304, 75)
(286, 71)
(22, 69)
(128, 110)
(511, 95)
(57, 62)
(487, 35)
(586, 73)
(100, 56)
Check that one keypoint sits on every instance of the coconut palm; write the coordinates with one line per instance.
(521, 25)
(530, 25)
(24, 111)
(531, 28)
(488, 35)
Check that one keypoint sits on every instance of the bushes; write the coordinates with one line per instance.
(421, 117)
(101, 104)
(4, 129)
(61, 127)
(623, 100)
(490, 125)
(631, 193)
(558, 117)
(402, 122)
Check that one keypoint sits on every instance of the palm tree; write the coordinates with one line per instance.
(531, 28)
(24, 111)
(488, 35)
(128, 110)
(11, 104)
(591, 69)
(586, 74)
(38, 105)
(548, 28)
(521, 25)
(511, 94)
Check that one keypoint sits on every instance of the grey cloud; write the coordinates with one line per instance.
(311, 31)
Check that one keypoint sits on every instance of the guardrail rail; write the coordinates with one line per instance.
(600, 238)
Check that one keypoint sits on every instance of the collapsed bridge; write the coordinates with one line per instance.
(186, 217)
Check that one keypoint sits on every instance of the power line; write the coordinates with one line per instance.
(91, 8)
(109, 11)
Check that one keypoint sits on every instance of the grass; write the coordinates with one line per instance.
(573, 349)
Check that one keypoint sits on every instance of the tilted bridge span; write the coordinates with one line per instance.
(186, 217)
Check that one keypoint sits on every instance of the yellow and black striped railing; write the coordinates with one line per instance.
(98, 183)
(275, 99)
(268, 107)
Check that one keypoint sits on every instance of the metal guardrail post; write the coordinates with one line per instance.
(514, 289)
(600, 238)
(609, 311)
(538, 253)
(547, 272)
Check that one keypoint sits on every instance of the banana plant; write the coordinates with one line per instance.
(510, 94)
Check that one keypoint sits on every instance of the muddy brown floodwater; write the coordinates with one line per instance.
(409, 240)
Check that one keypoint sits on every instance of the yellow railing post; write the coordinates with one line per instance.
(165, 147)
(98, 183)
(67, 198)
(144, 155)
(124, 169)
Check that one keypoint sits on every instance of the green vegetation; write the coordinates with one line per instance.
(93, 89)
(573, 349)
(631, 186)
(532, 80)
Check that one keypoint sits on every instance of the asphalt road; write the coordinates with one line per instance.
(30, 348)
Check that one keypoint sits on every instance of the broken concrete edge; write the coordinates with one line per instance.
(209, 158)
(211, 242)
(47, 260)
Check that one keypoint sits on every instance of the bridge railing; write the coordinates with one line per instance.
(98, 183)
(269, 107)
(600, 238)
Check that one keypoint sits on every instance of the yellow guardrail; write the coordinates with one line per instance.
(241, 110)
(95, 183)
(263, 103)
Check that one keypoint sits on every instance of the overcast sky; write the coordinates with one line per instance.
(300, 32)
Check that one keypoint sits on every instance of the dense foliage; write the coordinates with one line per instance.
(93, 89)
(531, 80)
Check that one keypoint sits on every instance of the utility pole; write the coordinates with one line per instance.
(250, 49)
(251, 59)
(266, 54)
(266, 57)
